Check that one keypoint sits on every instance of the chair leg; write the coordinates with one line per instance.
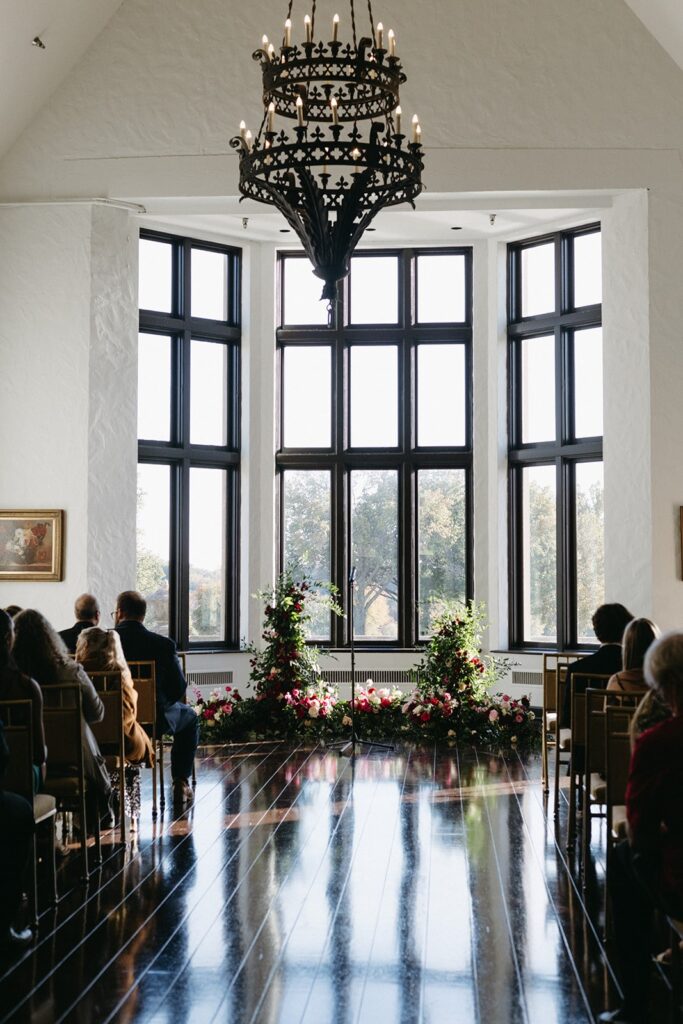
(34, 881)
(52, 859)
(122, 799)
(154, 778)
(544, 753)
(556, 781)
(162, 797)
(586, 833)
(571, 830)
(85, 870)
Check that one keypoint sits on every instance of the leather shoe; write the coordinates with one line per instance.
(16, 939)
(619, 1016)
(182, 792)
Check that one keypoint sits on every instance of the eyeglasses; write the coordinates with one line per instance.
(113, 615)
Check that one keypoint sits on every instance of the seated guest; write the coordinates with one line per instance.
(638, 636)
(87, 612)
(16, 686)
(16, 829)
(39, 652)
(609, 622)
(140, 644)
(647, 868)
(99, 650)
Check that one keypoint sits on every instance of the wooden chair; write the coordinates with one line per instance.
(617, 760)
(17, 716)
(578, 743)
(144, 680)
(109, 733)
(553, 666)
(597, 703)
(66, 781)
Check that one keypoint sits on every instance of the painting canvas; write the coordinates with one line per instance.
(31, 544)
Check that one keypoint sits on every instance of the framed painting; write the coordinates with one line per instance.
(31, 544)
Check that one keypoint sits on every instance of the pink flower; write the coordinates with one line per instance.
(493, 715)
(518, 718)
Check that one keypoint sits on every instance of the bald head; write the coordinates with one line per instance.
(87, 609)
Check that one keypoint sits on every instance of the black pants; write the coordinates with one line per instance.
(16, 830)
(185, 741)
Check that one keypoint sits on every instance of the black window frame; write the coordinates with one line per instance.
(407, 458)
(178, 452)
(564, 451)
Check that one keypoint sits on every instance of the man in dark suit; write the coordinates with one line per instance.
(140, 644)
(609, 622)
(87, 612)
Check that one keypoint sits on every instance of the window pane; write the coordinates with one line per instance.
(440, 395)
(374, 290)
(374, 396)
(587, 269)
(441, 289)
(588, 383)
(154, 387)
(302, 291)
(538, 279)
(590, 547)
(374, 552)
(155, 276)
(306, 541)
(539, 554)
(208, 393)
(307, 378)
(441, 542)
(207, 553)
(209, 275)
(538, 389)
(153, 544)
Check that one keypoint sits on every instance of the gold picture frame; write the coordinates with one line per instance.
(31, 544)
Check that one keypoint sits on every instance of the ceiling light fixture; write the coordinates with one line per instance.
(37, 41)
(346, 157)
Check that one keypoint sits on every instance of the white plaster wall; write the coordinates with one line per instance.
(44, 385)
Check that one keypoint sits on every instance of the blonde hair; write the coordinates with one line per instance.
(100, 650)
(664, 667)
(38, 649)
(638, 636)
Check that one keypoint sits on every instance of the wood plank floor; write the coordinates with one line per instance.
(407, 886)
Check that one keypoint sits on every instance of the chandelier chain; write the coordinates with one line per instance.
(313, 19)
(372, 20)
(353, 24)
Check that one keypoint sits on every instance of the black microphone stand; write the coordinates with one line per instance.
(349, 749)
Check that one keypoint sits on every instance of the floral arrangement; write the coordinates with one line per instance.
(27, 542)
(220, 712)
(312, 704)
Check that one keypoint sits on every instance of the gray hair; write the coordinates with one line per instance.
(663, 666)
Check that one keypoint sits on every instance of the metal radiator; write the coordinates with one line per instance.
(379, 676)
(210, 679)
(527, 678)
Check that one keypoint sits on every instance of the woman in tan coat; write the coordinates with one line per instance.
(99, 650)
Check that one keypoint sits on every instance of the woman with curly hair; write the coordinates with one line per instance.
(40, 653)
(99, 650)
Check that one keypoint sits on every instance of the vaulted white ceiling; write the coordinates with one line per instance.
(664, 19)
(29, 75)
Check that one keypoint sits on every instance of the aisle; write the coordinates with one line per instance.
(421, 886)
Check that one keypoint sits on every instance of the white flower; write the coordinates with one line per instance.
(346, 720)
(314, 709)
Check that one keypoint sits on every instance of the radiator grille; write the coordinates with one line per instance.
(380, 677)
(212, 679)
(527, 678)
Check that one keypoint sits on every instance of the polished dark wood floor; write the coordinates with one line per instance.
(409, 886)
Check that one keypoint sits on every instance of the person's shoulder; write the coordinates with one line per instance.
(660, 737)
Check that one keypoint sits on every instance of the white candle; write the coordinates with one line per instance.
(307, 25)
(335, 115)
(288, 32)
(264, 42)
(248, 137)
(380, 35)
(355, 153)
(397, 120)
(300, 111)
(271, 115)
(415, 127)
(271, 51)
(335, 28)
(392, 43)
(243, 129)
(418, 133)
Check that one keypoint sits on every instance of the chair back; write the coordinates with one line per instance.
(617, 751)
(562, 663)
(109, 732)
(144, 678)
(17, 717)
(63, 722)
(578, 723)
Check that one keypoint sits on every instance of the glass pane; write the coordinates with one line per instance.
(209, 276)
(208, 393)
(588, 383)
(539, 552)
(587, 269)
(538, 389)
(374, 396)
(374, 552)
(374, 290)
(441, 542)
(307, 376)
(441, 289)
(538, 279)
(302, 291)
(590, 547)
(207, 553)
(306, 497)
(154, 387)
(153, 542)
(155, 276)
(440, 395)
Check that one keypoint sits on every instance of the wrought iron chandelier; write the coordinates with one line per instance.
(333, 173)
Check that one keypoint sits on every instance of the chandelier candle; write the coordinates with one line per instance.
(343, 158)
